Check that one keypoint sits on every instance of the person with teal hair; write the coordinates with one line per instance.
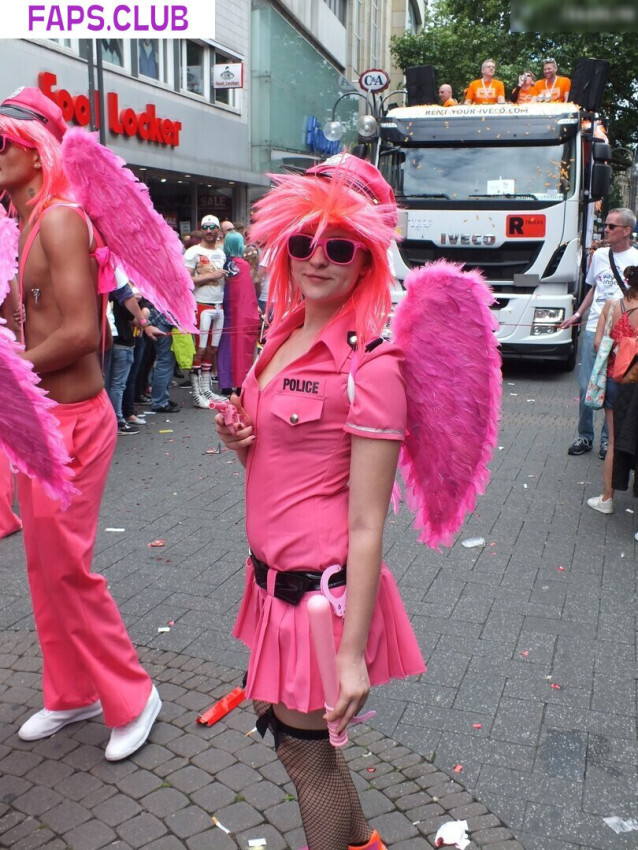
(241, 317)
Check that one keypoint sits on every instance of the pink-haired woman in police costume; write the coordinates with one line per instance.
(323, 417)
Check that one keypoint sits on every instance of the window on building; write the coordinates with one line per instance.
(113, 51)
(357, 24)
(338, 7)
(225, 97)
(414, 18)
(150, 59)
(193, 67)
(374, 33)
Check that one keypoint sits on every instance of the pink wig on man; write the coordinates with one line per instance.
(345, 193)
(30, 119)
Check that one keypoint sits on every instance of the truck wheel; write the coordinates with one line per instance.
(569, 363)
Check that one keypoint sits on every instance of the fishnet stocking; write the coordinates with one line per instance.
(329, 803)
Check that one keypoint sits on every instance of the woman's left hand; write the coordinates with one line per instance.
(354, 684)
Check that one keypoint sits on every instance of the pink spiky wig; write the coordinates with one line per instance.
(54, 181)
(312, 204)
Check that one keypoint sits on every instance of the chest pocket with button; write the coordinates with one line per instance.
(297, 408)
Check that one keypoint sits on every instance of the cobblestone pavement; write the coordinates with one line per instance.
(550, 600)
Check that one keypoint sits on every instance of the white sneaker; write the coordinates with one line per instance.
(45, 723)
(127, 739)
(604, 506)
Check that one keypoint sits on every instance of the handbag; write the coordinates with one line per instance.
(625, 371)
(183, 348)
(595, 393)
(626, 364)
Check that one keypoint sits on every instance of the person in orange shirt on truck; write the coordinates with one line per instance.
(487, 89)
(552, 88)
(445, 95)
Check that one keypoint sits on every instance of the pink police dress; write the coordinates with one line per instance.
(297, 506)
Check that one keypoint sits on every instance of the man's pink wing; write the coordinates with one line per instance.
(29, 433)
(122, 210)
(9, 235)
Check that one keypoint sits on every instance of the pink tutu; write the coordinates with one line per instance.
(283, 667)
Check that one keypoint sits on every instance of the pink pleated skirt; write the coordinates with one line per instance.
(283, 666)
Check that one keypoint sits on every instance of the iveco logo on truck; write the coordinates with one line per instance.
(468, 239)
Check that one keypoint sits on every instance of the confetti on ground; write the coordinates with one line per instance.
(166, 431)
(500, 448)
(371, 769)
(477, 725)
(220, 825)
(171, 622)
(257, 842)
(473, 542)
(556, 686)
(531, 400)
(163, 629)
(156, 544)
(561, 569)
(525, 653)
(458, 768)
(515, 394)
(251, 731)
(524, 486)
(212, 451)
(116, 530)
(629, 510)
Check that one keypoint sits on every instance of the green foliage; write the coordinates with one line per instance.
(458, 35)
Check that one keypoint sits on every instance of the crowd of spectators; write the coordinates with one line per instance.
(140, 366)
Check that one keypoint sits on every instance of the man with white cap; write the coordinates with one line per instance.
(205, 263)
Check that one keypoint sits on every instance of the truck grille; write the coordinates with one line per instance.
(497, 264)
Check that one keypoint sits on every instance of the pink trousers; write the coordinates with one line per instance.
(9, 522)
(86, 651)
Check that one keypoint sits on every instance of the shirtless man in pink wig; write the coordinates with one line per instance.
(89, 663)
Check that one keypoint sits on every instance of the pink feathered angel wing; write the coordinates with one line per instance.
(122, 210)
(29, 433)
(453, 370)
(9, 235)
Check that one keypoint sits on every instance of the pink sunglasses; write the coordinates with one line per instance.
(6, 138)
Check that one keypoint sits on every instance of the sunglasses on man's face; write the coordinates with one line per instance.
(209, 227)
(338, 250)
(7, 138)
(614, 226)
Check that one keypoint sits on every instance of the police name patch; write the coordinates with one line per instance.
(299, 385)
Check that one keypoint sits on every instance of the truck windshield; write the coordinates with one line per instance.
(476, 174)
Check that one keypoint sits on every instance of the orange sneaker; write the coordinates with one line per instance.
(374, 843)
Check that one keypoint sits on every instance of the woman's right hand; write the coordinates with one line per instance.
(240, 436)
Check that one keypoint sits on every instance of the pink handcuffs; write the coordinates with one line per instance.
(324, 647)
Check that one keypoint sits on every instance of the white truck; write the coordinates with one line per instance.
(508, 189)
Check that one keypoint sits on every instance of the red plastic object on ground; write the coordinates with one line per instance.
(222, 708)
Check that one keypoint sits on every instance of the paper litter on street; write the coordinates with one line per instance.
(473, 542)
(453, 834)
(621, 824)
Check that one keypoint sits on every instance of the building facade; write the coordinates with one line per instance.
(202, 149)
(188, 141)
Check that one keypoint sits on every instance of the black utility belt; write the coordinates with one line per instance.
(291, 586)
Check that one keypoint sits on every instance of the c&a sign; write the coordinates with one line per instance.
(145, 125)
